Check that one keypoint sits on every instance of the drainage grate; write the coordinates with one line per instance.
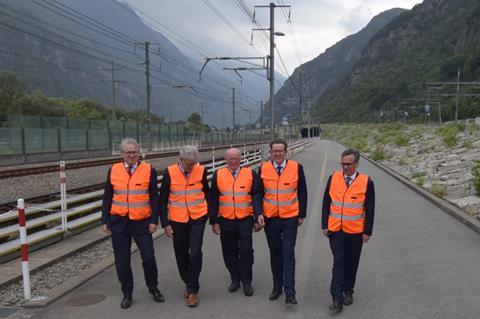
(85, 300)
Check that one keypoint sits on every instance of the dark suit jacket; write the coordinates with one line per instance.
(118, 223)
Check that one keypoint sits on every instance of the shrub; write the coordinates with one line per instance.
(419, 174)
(467, 144)
(476, 174)
(402, 140)
(438, 190)
(448, 133)
(420, 181)
(378, 153)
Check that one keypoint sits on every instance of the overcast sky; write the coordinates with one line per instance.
(318, 24)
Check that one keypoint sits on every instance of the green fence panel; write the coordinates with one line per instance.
(98, 139)
(10, 140)
(73, 140)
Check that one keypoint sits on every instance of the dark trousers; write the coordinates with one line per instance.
(187, 244)
(237, 249)
(281, 237)
(122, 242)
(346, 250)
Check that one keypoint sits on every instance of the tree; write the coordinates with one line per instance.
(11, 91)
(195, 118)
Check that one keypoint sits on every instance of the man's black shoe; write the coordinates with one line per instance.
(248, 290)
(337, 306)
(157, 295)
(291, 300)
(126, 302)
(275, 294)
(348, 300)
(233, 286)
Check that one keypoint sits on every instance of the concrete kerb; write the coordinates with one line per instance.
(76, 281)
(446, 206)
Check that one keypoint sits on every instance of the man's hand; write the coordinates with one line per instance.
(261, 220)
(325, 232)
(300, 221)
(216, 229)
(152, 228)
(106, 230)
(169, 231)
(365, 238)
(257, 227)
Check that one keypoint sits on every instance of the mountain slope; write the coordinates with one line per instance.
(427, 43)
(315, 76)
(66, 48)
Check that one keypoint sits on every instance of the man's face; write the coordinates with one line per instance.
(278, 153)
(348, 165)
(233, 160)
(130, 154)
(188, 164)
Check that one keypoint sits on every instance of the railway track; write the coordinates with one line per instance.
(69, 165)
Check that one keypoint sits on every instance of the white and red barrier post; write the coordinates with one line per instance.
(63, 195)
(24, 248)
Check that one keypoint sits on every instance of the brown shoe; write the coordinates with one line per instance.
(192, 300)
(185, 294)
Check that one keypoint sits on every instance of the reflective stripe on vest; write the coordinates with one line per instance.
(284, 203)
(186, 199)
(280, 198)
(347, 210)
(131, 192)
(235, 200)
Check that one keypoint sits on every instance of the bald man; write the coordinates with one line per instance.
(235, 200)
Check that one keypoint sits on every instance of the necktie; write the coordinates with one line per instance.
(279, 170)
(130, 170)
(349, 181)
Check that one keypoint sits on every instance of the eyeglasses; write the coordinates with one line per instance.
(347, 164)
(131, 153)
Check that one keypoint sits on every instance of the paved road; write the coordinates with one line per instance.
(420, 263)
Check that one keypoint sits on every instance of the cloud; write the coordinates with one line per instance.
(356, 19)
(318, 24)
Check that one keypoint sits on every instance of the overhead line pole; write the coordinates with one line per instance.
(114, 93)
(271, 75)
(147, 100)
(233, 109)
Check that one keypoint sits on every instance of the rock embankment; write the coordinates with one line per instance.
(439, 159)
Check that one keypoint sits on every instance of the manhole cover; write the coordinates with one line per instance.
(85, 300)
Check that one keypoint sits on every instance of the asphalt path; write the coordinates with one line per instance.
(419, 263)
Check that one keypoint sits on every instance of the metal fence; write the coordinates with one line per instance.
(32, 135)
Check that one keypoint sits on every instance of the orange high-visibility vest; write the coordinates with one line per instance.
(347, 210)
(280, 199)
(235, 200)
(130, 193)
(186, 199)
